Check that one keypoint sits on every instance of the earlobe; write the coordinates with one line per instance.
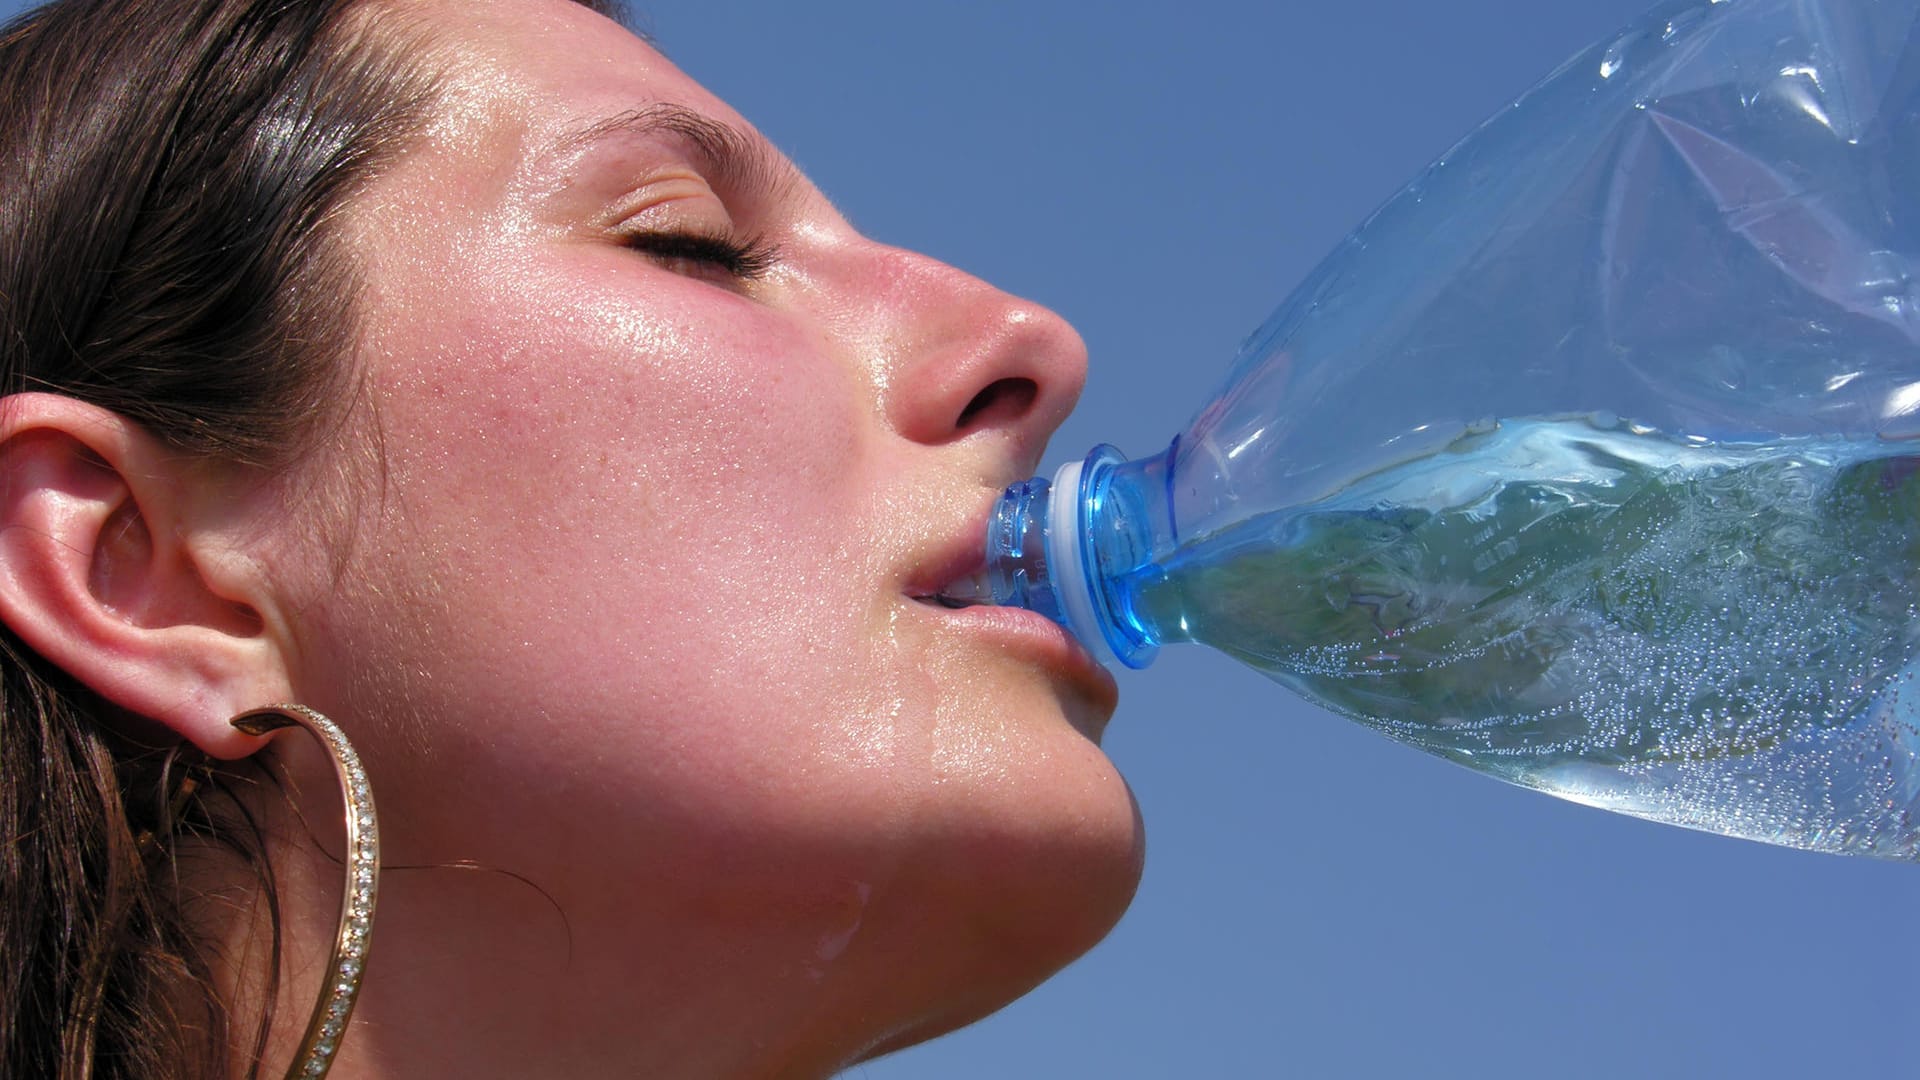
(98, 574)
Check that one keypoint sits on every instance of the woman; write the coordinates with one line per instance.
(467, 374)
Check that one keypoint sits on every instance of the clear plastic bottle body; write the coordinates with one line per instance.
(1585, 461)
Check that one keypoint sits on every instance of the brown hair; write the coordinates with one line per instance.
(168, 169)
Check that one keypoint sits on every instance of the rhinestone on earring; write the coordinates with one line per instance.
(341, 984)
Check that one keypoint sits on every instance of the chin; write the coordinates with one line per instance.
(1010, 906)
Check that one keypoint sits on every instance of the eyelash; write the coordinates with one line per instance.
(744, 259)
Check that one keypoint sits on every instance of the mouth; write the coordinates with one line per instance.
(970, 590)
(946, 602)
(955, 576)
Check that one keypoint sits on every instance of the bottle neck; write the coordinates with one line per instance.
(1072, 549)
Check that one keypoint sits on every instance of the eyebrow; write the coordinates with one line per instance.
(733, 159)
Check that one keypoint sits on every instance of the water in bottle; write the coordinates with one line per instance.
(1671, 628)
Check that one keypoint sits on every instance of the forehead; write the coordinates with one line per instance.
(537, 73)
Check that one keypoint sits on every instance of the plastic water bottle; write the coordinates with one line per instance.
(1590, 461)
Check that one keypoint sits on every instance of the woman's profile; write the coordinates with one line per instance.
(465, 379)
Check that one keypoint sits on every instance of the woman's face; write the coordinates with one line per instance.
(667, 456)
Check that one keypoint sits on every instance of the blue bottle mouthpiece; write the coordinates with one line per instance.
(1061, 548)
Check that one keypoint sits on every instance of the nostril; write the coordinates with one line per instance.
(1000, 400)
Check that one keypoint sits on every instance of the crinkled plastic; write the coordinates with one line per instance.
(1707, 225)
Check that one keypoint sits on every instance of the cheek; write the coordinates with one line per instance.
(649, 516)
(683, 427)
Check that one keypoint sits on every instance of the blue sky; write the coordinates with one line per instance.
(1318, 901)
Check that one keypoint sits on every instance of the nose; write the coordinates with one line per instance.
(971, 362)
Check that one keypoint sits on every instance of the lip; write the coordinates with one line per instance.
(1038, 639)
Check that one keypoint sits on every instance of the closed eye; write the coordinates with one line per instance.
(699, 254)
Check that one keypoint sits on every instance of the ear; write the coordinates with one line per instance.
(109, 545)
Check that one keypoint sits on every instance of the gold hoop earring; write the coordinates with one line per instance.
(341, 986)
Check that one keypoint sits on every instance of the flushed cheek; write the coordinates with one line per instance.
(737, 434)
(699, 389)
(666, 507)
